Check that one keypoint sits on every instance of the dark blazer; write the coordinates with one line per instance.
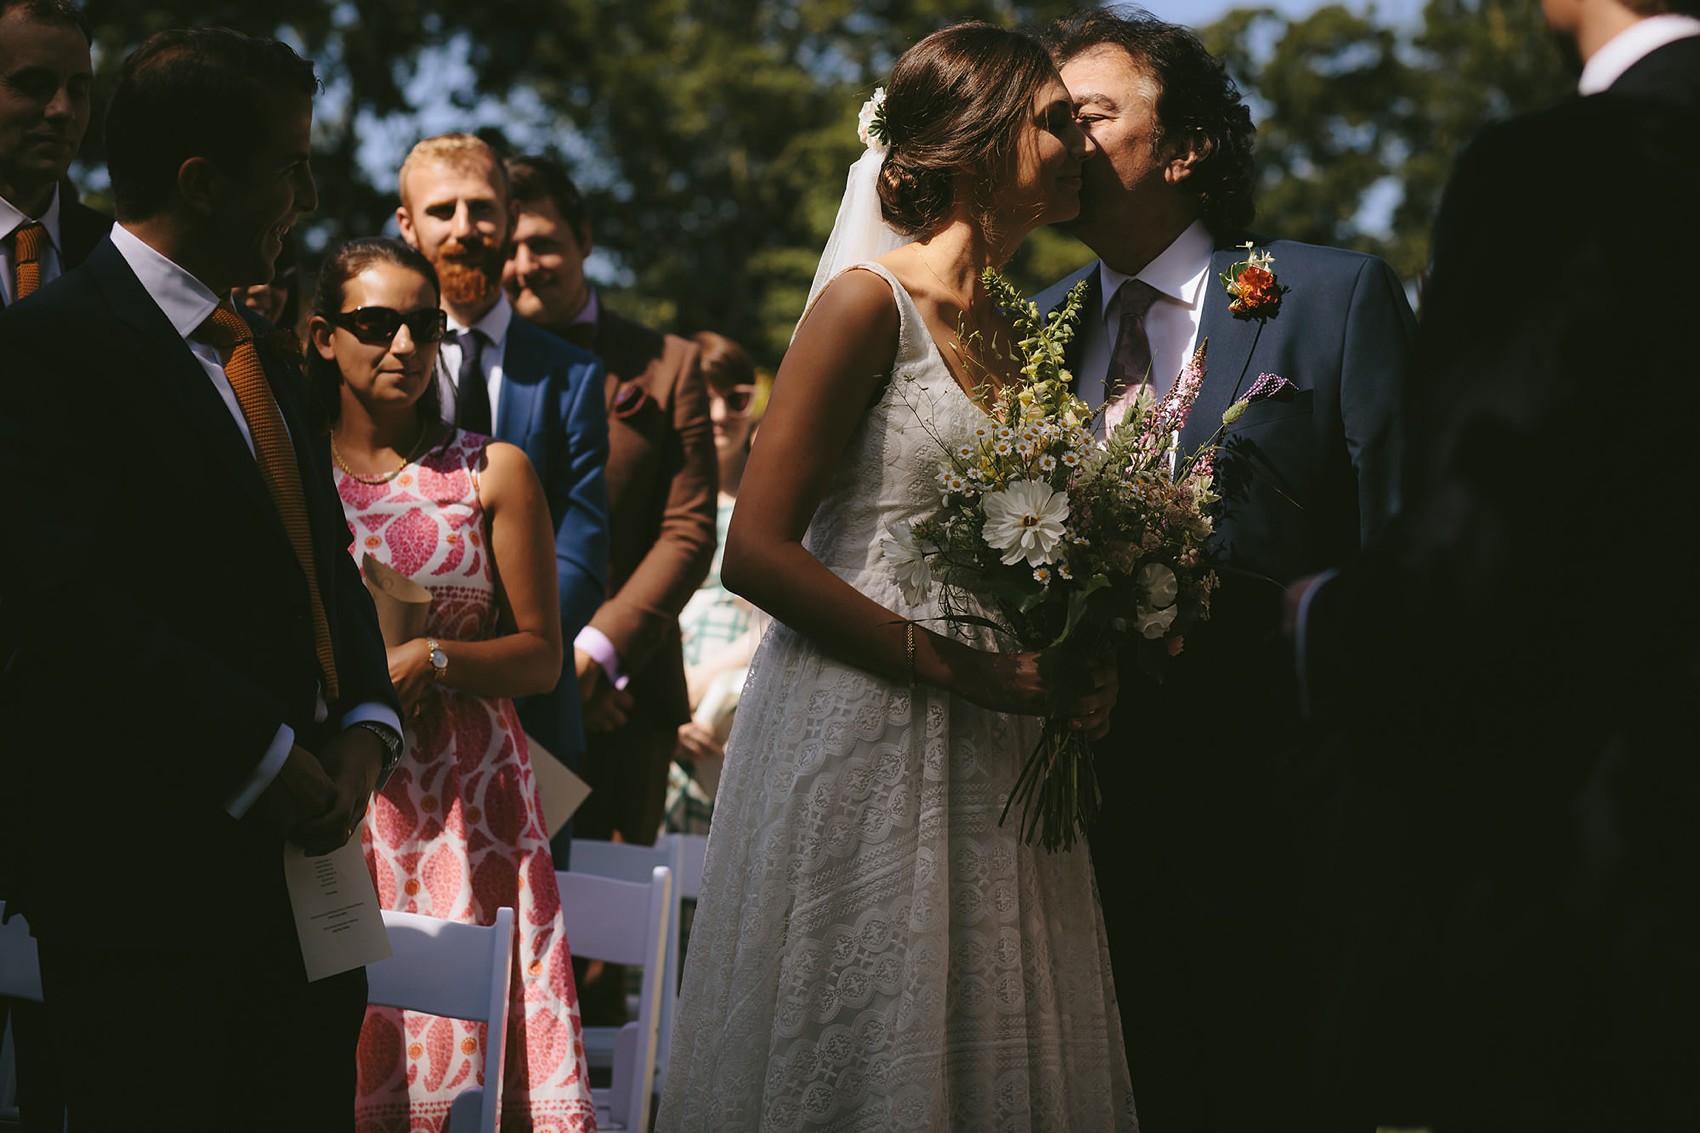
(1206, 777)
(1669, 74)
(154, 622)
(551, 406)
(80, 229)
(1521, 788)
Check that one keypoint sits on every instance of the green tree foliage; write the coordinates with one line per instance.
(712, 136)
(1359, 123)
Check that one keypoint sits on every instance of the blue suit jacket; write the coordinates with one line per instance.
(1306, 478)
(551, 406)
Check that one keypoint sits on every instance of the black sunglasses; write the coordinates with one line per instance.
(376, 326)
(737, 399)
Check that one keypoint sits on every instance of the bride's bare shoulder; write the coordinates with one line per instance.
(859, 302)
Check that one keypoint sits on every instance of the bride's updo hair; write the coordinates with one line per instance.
(955, 105)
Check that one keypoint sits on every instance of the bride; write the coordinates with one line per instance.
(873, 950)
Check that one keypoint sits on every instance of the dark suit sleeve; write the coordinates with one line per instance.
(644, 613)
(1379, 333)
(579, 477)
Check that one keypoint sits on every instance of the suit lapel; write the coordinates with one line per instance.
(517, 408)
(1227, 359)
(159, 355)
(1053, 298)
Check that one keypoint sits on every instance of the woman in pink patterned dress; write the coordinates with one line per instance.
(457, 832)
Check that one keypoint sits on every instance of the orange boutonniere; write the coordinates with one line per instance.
(1253, 289)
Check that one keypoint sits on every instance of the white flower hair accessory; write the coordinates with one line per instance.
(870, 122)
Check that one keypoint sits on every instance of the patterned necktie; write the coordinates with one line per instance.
(1130, 365)
(472, 395)
(225, 329)
(29, 241)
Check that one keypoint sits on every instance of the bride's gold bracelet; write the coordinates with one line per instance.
(909, 651)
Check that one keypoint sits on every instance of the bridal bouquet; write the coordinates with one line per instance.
(1079, 548)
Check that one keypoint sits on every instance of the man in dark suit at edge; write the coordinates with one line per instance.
(1206, 777)
(188, 580)
(1512, 858)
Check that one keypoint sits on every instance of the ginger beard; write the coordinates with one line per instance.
(471, 275)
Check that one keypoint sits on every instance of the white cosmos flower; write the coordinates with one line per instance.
(908, 562)
(1025, 521)
(1153, 624)
(1159, 586)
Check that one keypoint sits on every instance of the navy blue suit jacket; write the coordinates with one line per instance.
(1306, 478)
(551, 406)
(155, 625)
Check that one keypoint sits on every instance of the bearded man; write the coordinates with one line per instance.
(506, 378)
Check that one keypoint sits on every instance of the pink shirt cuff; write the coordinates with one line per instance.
(602, 651)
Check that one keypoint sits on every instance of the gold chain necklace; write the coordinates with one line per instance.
(993, 382)
(374, 481)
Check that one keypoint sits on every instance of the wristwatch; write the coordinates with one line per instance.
(392, 745)
(439, 659)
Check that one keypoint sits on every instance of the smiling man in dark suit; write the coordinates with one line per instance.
(1205, 775)
(45, 75)
(191, 664)
(503, 377)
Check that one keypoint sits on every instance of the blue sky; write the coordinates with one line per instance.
(1201, 12)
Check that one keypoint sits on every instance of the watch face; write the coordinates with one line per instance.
(439, 659)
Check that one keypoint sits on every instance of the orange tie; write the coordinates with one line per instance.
(225, 329)
(29, 241)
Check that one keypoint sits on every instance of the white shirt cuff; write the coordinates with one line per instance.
(594, 642)
(376, 711)
(263, 775)
(1301, 636)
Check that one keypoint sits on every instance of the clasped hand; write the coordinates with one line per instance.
(317, 802)
(1053, 683)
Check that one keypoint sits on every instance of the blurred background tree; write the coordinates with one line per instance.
(712, 136)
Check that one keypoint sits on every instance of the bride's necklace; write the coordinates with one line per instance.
(970, 363)
(374, 481)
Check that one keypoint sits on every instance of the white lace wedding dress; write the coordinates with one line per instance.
(873, 951)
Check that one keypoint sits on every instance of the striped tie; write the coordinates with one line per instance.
(29, 241)
(225, 329)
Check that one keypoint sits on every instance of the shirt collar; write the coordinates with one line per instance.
(494, 325)
(587, 314)
(1631, 45)
(184, 299)
(12, 218)
(1177, 273)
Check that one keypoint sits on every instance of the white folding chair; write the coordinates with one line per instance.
(621, 922)
(693, 848)
(460, 971)
(625, 861)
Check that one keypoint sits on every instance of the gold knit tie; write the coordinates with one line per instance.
(29, 241)
(225, 329)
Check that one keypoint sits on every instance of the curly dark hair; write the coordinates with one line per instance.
(955, 104)
(1196, 100)
(324, 377)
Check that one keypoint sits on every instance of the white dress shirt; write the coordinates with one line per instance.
(494, 327)
(1631, 45)
(1171, 325)
(12, 218)
(186, 303)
